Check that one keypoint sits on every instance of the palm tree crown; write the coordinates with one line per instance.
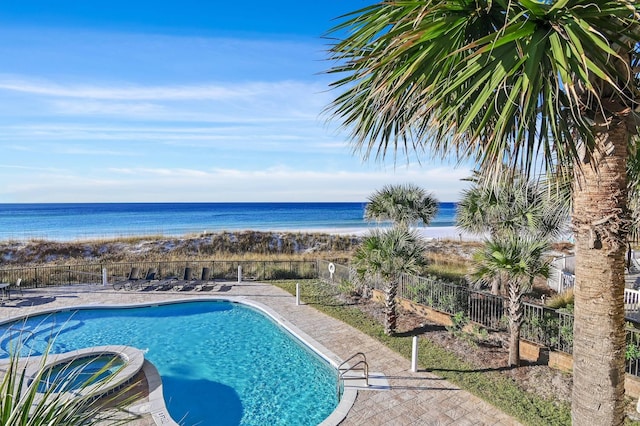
(403, 205)
(512, 206)
(493, 80)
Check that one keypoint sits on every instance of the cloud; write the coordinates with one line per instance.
(225, 185)
(210, 91)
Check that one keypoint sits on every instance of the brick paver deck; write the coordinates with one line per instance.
(414, 398)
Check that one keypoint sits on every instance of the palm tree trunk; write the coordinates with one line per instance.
(515, 321)
(495, 286)
(600, 225)
(391, 315)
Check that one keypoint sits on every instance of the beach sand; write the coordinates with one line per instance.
(428, 233)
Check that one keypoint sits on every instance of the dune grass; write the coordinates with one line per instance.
(489, 385)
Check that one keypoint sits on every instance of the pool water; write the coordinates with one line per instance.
(221, 363)
(79, 373)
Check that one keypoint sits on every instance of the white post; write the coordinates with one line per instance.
(297, 294)
(239, 273)
(104, 276)
(414, 354)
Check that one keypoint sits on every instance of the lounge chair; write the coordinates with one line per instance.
(18, 286)
(204, 280)
(171, 281)
(5, 289)
(148, 281)
(187, 281)
(134, 275)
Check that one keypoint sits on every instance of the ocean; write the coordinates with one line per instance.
(76, 221)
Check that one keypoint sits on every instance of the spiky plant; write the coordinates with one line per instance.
(24, 401)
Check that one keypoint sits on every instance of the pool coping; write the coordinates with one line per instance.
(133, 361)
(156, 406)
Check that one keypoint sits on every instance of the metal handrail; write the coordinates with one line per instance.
(342, 370)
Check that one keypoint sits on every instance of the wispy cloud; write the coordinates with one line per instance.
(225, 91)
(180, 184)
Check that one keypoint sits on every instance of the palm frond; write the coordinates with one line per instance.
(498, 82)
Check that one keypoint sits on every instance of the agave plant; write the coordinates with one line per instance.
(30, 395)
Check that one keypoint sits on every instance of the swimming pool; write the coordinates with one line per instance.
(221, 363)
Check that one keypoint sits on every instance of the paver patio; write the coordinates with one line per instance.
(413, 398)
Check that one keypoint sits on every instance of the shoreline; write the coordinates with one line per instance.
(428, 233)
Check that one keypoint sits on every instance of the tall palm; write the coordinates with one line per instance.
(403, 205)
(518, 259)
(389, 253)
(523, 83)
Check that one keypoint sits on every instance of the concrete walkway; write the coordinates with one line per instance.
(414, 398)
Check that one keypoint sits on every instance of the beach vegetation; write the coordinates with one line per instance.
(243, 245)
(562, 300)
(537, 86)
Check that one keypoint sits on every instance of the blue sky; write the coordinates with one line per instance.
(149, 101)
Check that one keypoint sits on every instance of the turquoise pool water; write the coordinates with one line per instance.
(70, 376)
(221, 363)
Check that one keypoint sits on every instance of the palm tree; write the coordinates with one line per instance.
(403, 205)
(521, 83)
(389, 253)
(511, 208)
(518, 259)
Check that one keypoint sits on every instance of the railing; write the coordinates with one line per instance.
(344, 368)
(41, 276)
(545, 326)
(633, 352)
(631, 301)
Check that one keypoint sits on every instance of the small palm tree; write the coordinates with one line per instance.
(389, 254)
(507, 209)
(404, 205)
(517, 259)
(508, 206)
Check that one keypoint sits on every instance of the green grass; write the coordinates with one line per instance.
(500, 391)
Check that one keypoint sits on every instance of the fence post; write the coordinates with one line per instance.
(414, 354)
(239, 273)
(104, 276)
(297, 294)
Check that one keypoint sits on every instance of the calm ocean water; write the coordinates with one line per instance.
(100, 220)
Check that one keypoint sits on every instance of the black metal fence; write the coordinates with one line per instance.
(548, 327)
(42, 276)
